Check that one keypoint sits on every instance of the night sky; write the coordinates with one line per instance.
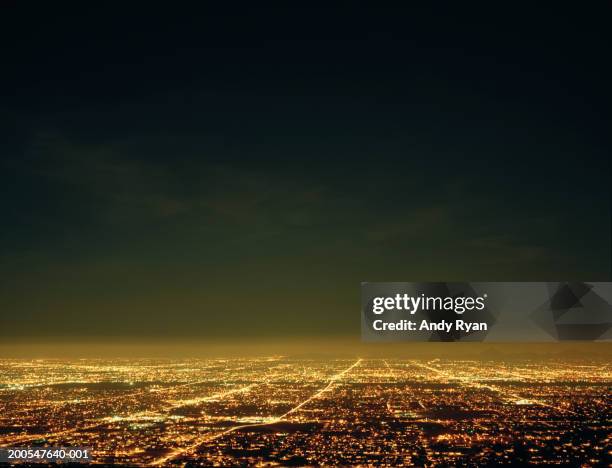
(239, 172)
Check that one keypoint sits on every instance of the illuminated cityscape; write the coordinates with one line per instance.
(288, 411)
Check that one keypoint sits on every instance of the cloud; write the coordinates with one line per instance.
(115, 183)
(104, 173)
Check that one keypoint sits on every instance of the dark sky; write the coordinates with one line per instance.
(239, 172)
